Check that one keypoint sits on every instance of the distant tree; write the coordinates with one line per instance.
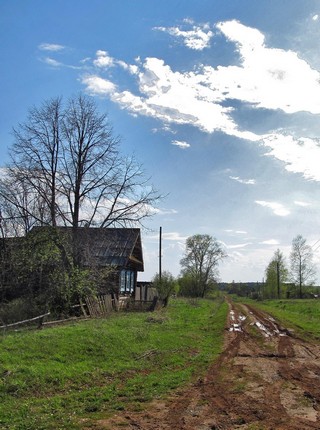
(276, 275)
(200, 263)
(302, 271)
(165, 285)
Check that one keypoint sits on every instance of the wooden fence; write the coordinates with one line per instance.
(94, 307)
(101, 306)
(39, 319)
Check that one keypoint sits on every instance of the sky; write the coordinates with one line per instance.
(219, 100)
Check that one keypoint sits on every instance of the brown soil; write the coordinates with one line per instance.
(266, 378)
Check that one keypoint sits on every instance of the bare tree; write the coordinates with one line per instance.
(21, 206)
(67, 158)
(100, 185)
(36, 154)
(200, 263)
(302, 268)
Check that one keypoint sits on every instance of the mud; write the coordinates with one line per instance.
(266, 379)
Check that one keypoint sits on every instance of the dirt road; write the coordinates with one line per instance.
(266, 378)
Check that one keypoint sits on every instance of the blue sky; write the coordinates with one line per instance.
(219, 100)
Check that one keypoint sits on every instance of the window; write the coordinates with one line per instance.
(126, 281)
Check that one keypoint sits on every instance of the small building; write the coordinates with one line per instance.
(117, 250)
(113, 255)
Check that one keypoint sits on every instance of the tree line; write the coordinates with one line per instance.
(199, 272)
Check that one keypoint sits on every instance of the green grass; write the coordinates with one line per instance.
(303, 315)
(54, 378)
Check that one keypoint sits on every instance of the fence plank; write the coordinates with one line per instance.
(26, 321)
(100, 306)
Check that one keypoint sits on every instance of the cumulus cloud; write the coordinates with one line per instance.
(299, 155)
(277, 208)
(197, 37)
(97, 85)
(181, 144)
(268, 77)
(174, 97)
(103, 60)
(264, 78)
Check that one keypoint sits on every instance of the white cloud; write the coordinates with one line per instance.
(303, 204)
(103, 59)
(170, 236)
(98, 86)
(270, 242)
(175, 97)
(265, 77)
(236, 231)
(198, 38)
(243, 181)
(315, 17)
(132, 68)
(53, 47)
(181, 144)
(268, 77)
(175, 236)
(299, 155)
(242, 245)
(277, 208)
(52, 62)
(161, 211)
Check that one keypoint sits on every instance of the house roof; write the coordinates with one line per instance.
(120, 247)
(113, 246)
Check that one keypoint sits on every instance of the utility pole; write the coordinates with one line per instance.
(278, 279)
(160, 253)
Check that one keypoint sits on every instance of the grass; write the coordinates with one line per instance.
(56, 378)
(303, 314)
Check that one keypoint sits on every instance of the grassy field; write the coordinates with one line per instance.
(304, 314)
(60, 378)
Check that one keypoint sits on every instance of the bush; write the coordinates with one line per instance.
(165, 286)
(19, 310)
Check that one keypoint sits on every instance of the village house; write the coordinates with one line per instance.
(115, 254)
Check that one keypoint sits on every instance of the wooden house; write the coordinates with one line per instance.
(118, 249)
(115, 252)
(113, 255)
